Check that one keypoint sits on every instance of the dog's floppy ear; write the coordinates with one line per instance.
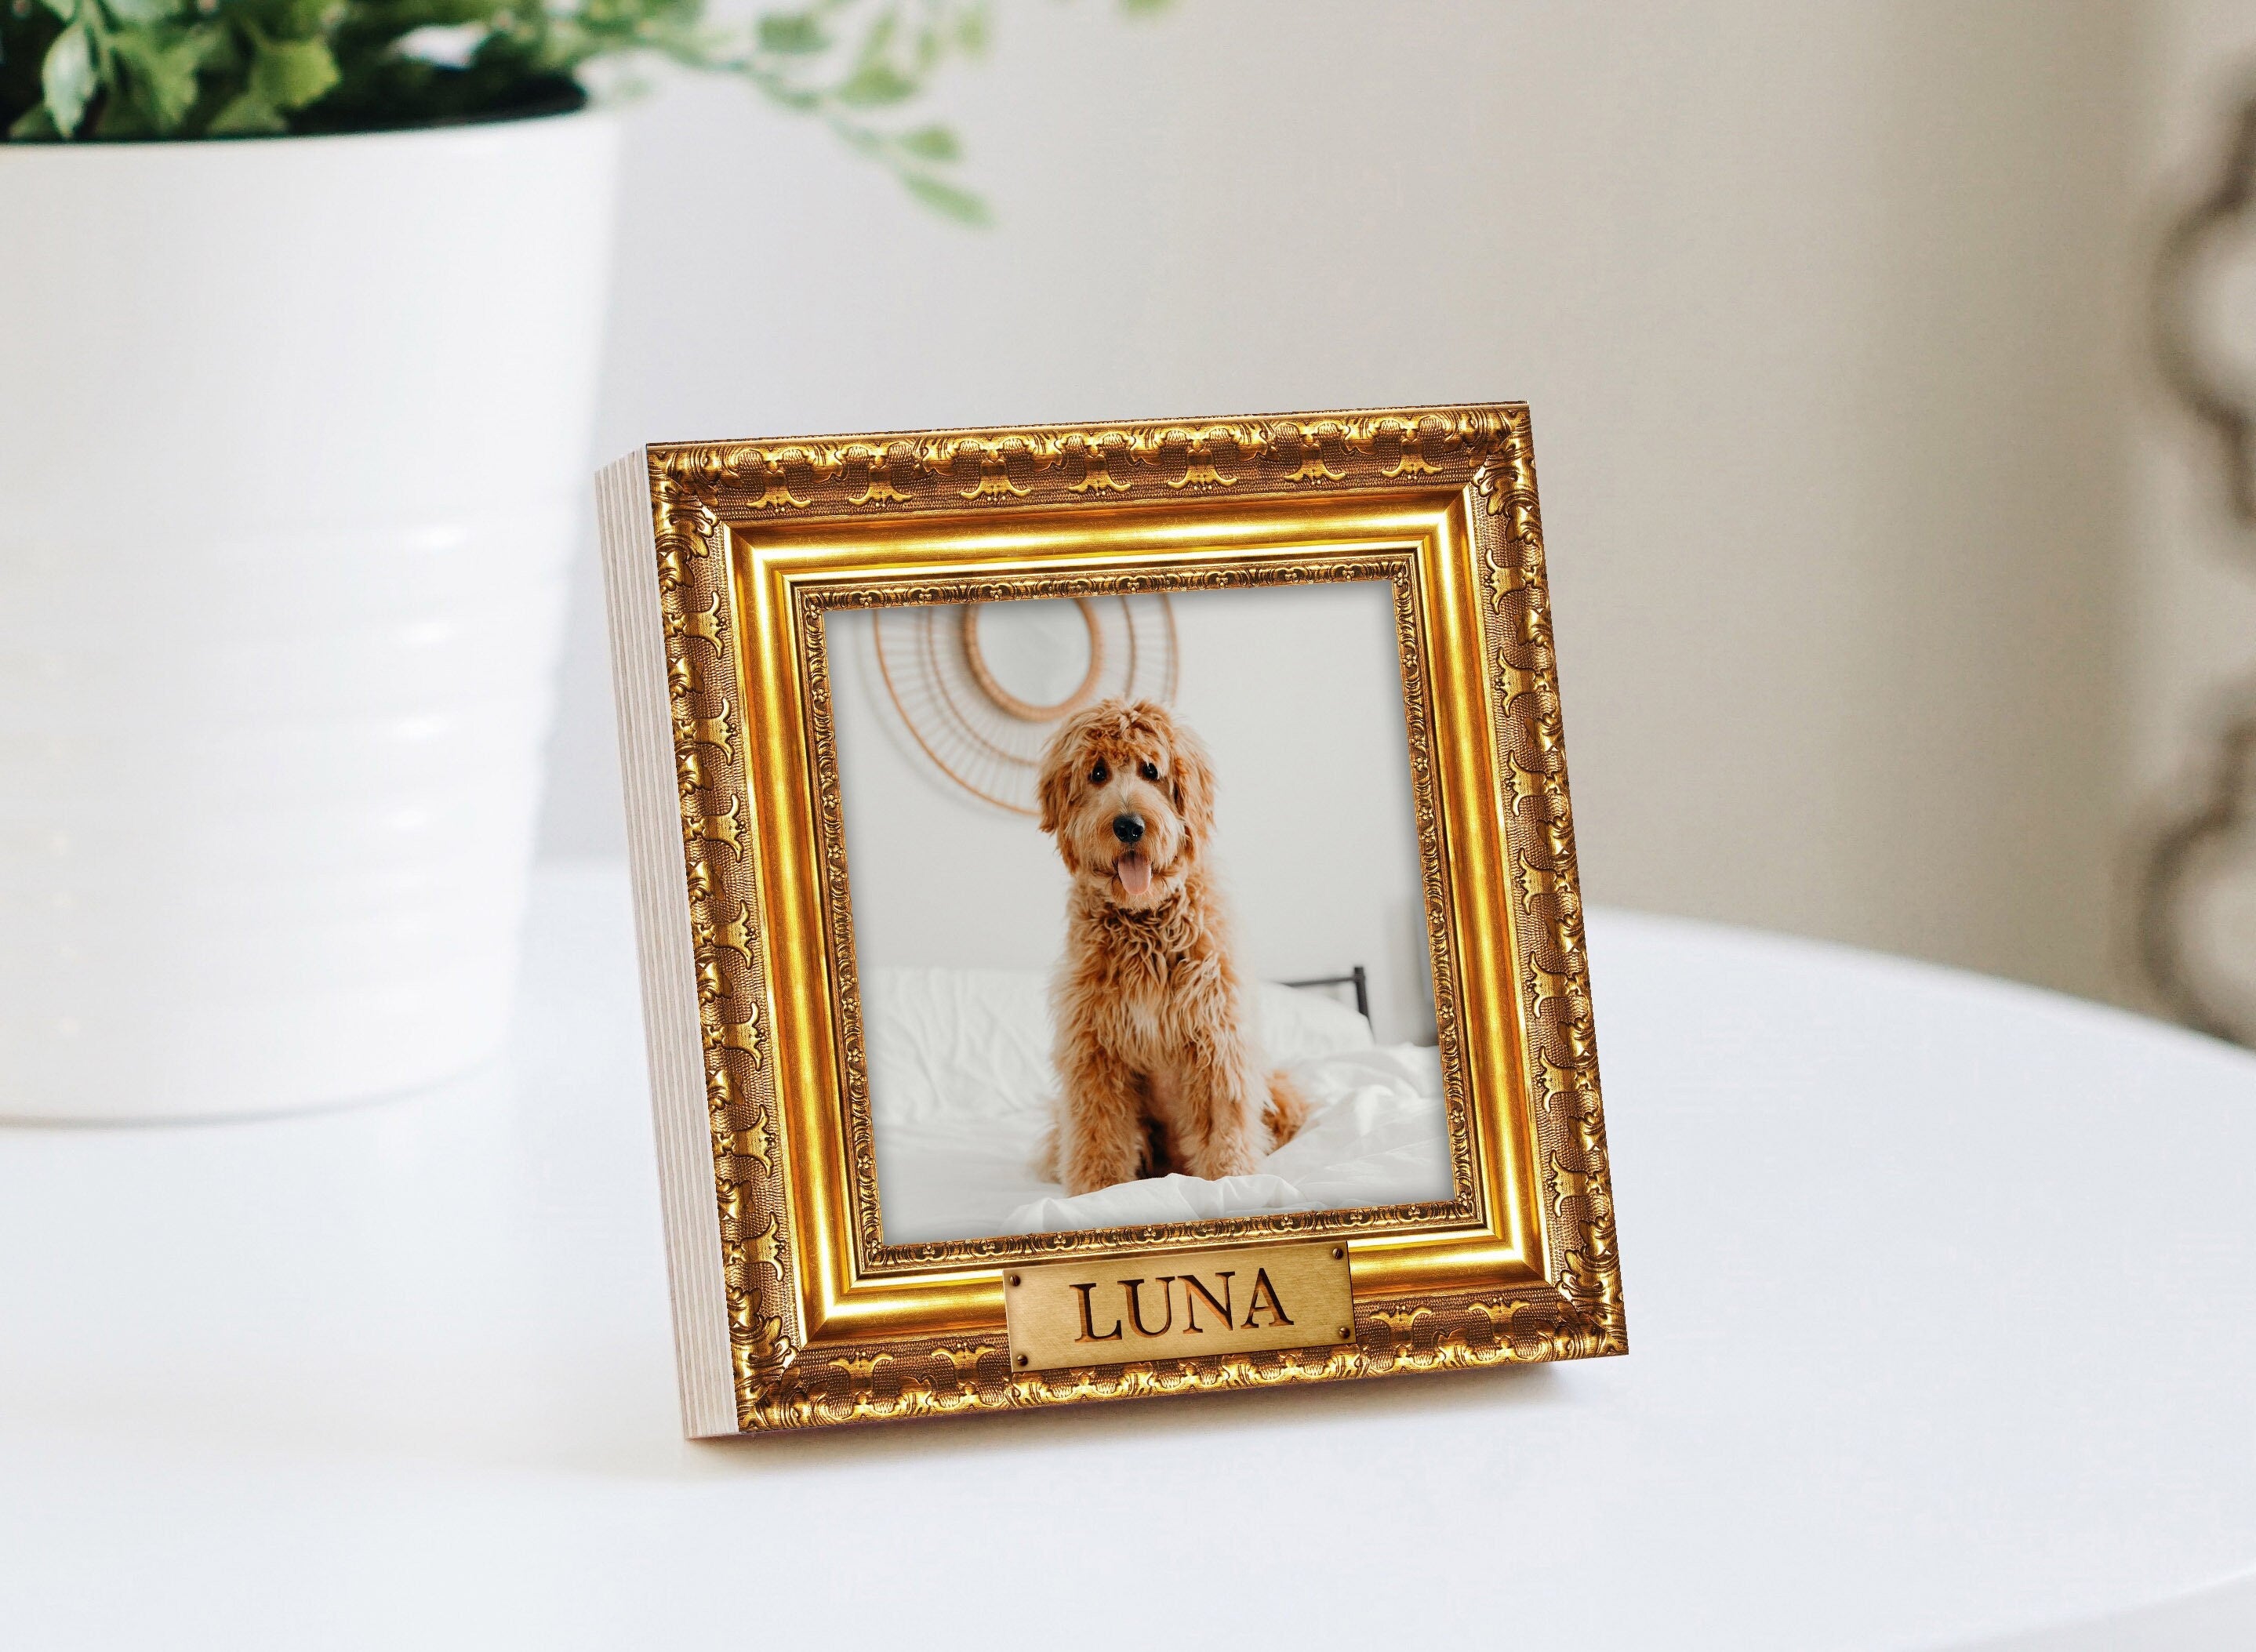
(1055, 787)
(1194, 779)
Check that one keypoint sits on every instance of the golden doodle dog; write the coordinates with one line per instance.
(1156, 1070)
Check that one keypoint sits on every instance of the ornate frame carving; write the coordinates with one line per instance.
(757, 541)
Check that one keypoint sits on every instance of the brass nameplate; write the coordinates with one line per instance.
(1176, 1304)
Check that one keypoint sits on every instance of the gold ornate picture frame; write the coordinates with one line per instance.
(723, 561)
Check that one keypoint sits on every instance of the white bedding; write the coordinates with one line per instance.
(960, 1091)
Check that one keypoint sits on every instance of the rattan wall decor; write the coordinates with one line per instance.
(981, 685)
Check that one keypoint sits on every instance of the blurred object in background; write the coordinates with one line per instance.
(2197, 888)
(2197, 877)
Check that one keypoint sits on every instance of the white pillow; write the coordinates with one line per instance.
(1300, 1024)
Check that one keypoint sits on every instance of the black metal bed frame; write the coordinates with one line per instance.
(1354, 978)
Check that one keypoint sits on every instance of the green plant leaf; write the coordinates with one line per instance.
(142, 12)
(947, 200)
(246, 115)
(793, 33)
(930, 143)
(879, 39)
(289, 74)
(164, 78)
(35, 122)
(873, 86)
(63, 8)
(296, 19)
(66, 77)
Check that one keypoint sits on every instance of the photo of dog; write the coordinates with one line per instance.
(1178, 969)
(1155, 1067)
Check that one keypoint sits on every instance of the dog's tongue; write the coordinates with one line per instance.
(1135, 872)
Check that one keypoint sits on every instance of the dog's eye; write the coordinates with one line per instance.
(1099, 775)
(1149, 770)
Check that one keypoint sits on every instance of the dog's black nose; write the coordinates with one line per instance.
(1129, 828)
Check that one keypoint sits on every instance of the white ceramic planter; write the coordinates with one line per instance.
(292, 454)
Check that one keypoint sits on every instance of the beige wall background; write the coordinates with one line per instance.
(1826, 316)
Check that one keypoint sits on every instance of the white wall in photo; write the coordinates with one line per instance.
(1298, 696)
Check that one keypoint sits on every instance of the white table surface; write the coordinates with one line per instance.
(1940, 1296)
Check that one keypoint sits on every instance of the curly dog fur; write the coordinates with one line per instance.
(1155, 1068)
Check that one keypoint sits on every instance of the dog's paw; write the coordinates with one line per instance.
(1285, 1109)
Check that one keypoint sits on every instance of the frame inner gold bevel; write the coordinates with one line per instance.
(1294, 562)
(786, 576)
